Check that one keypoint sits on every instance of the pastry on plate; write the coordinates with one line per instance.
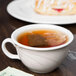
(55, 7)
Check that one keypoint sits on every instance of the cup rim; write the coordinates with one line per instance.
(42, 49)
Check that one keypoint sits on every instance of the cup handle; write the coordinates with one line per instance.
(6, 52)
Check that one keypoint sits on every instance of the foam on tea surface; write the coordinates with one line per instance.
(56, 38)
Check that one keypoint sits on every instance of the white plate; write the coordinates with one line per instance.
(23, 10)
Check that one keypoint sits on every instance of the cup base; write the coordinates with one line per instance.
(36, 71)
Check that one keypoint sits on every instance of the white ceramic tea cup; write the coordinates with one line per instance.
(40, 60)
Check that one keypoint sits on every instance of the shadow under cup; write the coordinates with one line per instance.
(40, 60)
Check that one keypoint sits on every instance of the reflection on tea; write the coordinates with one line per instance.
(43, 38)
